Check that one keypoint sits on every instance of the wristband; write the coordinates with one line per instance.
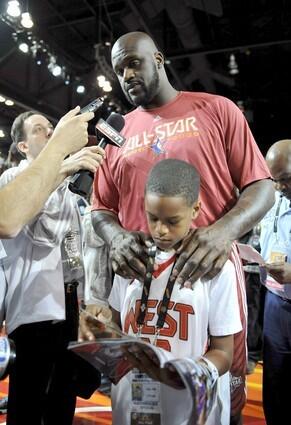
(211, 368)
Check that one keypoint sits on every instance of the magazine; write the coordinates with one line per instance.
(107, 354)
(250, 255)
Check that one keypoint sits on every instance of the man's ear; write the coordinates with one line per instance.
(196, 209)
(22, 147)
(159, 59)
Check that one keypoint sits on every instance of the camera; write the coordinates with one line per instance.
(7, 356)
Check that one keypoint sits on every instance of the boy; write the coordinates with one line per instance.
(194, 323)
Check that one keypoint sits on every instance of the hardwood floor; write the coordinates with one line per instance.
(97, 410)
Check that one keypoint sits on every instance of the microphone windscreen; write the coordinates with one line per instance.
(116, 121)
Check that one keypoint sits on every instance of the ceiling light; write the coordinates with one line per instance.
(101, 80)
(13, 9)
(53, 67)
(2, 134)
(57, 70)
(80, 89)
(2, 99)
(9, 102)
(26, 20)
(23, 47)
(107, 86)
(67, 79)
(232, 65)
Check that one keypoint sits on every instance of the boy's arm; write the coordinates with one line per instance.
(220, 352)
(116, 317)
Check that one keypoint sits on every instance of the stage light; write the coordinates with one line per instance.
(53, 67)
(9, 102)
(57, 70)
(26, 20)
(80, 89)
(2, 99)
(101, 80)
(13, 9)
(2, 134)
(23, 47)
(107, 86)
(67, 79)
(233, 67)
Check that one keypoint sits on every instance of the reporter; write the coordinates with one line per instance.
(23, 197)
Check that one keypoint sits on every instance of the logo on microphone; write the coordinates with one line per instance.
(110, 132)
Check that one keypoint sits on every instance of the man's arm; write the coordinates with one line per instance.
(24, 197)
(206, 249)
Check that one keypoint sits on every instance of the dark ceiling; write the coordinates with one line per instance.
(196, 36)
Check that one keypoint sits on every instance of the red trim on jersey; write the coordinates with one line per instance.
(163, 266)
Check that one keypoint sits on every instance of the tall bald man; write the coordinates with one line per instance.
(205, 130)
(276, 250)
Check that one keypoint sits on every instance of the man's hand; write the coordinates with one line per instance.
(88, 158)
(71, 134)
(281, 272)
(87, 324)
(203, 253)
(128, 254)
(143, 360)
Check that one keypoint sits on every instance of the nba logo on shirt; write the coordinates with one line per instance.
(158, 147)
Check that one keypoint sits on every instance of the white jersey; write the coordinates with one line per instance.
(211, 308)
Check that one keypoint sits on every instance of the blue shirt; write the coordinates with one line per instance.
(276, 236)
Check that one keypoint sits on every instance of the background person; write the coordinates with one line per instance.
(275, 243)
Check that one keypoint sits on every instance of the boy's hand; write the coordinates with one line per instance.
(87, 323)
(143, 360)
(281, 272)
(203, 253)
(128, 254)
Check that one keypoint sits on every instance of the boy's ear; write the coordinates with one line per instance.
(196, 209)
(22, 147)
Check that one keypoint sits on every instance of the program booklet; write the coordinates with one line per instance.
(250, 255)
(107, 354)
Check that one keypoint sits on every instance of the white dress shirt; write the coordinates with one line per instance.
(32, 271)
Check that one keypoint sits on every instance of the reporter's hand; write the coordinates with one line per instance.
(203, 254)
(86, 324)
(71, 134)
(88, 158)
(128, 254)
(281, 272)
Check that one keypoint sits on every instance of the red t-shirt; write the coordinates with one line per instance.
(205, 130)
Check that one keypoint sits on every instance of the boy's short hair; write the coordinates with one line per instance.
(173, 177)
(17, 130)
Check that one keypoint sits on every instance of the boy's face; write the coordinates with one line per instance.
(169, 219)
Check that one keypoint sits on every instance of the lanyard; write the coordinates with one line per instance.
(145, 294)
(275, 227)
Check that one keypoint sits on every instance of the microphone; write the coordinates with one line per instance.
(81, 182)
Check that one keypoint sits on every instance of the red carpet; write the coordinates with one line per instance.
(86, 413)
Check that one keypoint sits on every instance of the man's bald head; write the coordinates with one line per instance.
(279, 156)
(279, 161)
(131, 41)
(139, 67)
